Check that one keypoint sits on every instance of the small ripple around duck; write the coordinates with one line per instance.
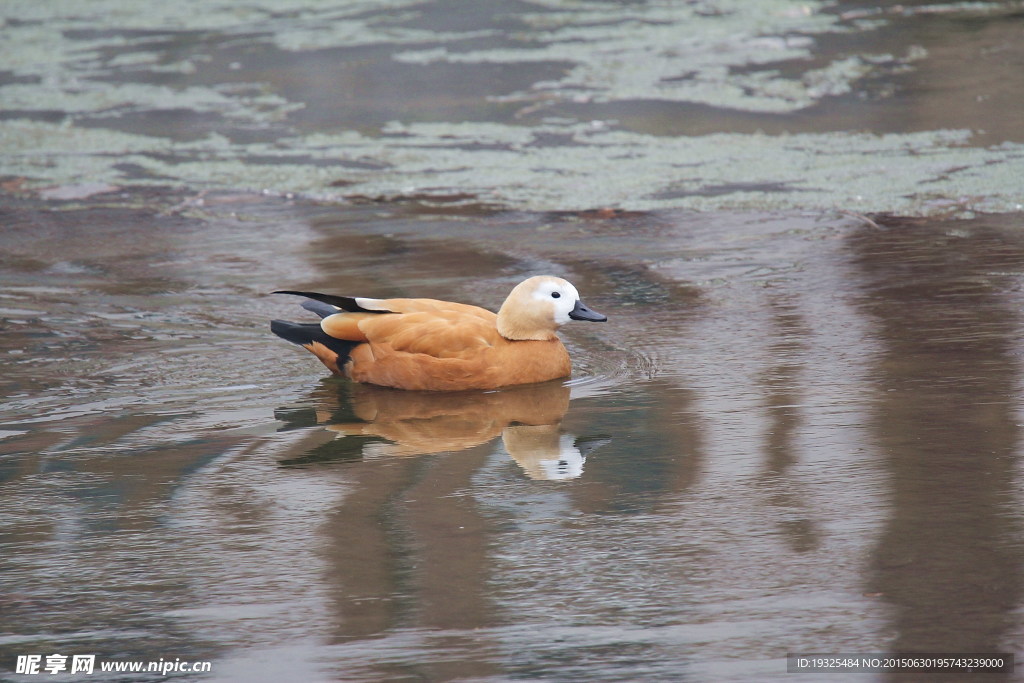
(609, 369)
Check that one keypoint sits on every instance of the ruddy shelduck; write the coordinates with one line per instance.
(431, 345)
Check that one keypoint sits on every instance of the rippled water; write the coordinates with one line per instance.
(794, 433)
(797, 431)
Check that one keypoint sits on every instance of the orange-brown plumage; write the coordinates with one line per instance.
(427, 344)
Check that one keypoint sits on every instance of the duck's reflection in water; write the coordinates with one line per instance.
(360, 421)
(409, 548)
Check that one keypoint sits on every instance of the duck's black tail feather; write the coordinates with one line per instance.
(340, 303)
(320, 308)
(332, 352)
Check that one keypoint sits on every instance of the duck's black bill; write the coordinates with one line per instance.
(581, 312)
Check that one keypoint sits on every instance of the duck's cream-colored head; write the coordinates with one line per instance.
(538, 306)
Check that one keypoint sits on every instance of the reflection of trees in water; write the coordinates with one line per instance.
(944, 419)
(783, 395)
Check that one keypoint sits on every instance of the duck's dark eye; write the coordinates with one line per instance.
(555, 295)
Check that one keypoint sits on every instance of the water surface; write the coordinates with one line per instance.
(551, 105)
(794, 433)
(797, 431)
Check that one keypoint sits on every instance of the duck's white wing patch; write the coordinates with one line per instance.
(371, 304)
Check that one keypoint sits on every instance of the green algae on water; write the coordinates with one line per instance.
(915, 173)
(113, 71)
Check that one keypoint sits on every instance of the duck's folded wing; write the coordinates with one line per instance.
(438, 333)
(346, 326)
(416, 325)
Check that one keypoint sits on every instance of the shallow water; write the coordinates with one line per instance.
(797, 431)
